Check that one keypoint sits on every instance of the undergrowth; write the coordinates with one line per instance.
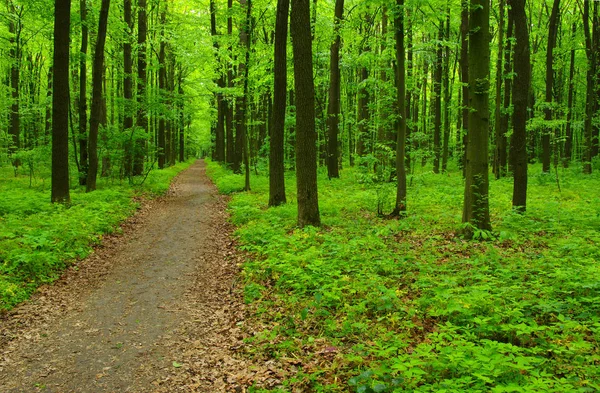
(365, 304)
(38, 239)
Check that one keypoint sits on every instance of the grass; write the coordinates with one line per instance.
(364, 304)
(38, 240)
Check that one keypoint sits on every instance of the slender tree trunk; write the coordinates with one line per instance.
(276, 151)
(590, 90)
(128, 89)
(437, 96)
(48, 127)
(400, 206)
(464, 79)
(548, 112)
(522, 82)
(569, 130)
(447, 94)
(97, 96)
(15, 76)
(500, 137)
(142, 112)
(306, 150)
(60, 102)
(505, 115)
(220, 82)
(162, 87)
(83, 149)
(333, 110)
(476, 204)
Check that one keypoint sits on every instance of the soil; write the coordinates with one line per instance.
(155, 309)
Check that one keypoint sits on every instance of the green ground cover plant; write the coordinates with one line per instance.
(39, 239)
(366, 304)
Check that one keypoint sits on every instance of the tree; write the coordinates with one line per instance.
(306, 150)
(400, 206)
(522, 64)
(277, 135)
(333, 109)
(142, 120)
(96, 109)
(552, 31)
(83, 148)
(476, 205)
(128, 88)
(60, 102)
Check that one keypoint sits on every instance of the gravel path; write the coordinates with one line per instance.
(153, 310)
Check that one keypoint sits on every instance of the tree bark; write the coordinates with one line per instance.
(83, 150)
(569, 131)
(590, 91)
(306, 150)
(60, 103)
(521, 85)
(500, 136)
(476, 205)
(276, 151)
(437, 97)
(464, 80)
(548, 112)
(14, 130)
(400, 206)
(97, 96)
(333, 110)
(128, 89)
(142, 112)
(162, 87)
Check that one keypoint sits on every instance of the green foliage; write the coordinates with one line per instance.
(39, 239)
(365, 304)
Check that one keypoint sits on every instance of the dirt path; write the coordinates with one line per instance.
(153, 310)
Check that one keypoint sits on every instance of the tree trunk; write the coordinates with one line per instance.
(548, 112)
(15, 67)
(83, 149)
(447, 94)
(333, 110)
(220, 82)
(142, 112)
(437, 96)
(590, 91)
(476, 205)
(128, 89)
(162, 86)
(521, 85)
(500, 137)
(464, 79)
(569, 131)
(97, 96)
(60, 102)
(276, 151)
(400, 207)
(306, 150)
(508, 68)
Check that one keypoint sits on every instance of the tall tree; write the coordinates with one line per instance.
(95, 115)
(500, 137)
(590, 99)
(306, 137)
(162, 88)
(569, 130)
(548, 112)
(142, 119)
(437, 97)
(60, 102)
(277, 137)
(476, 205)
(522, 81)
(128, 88)
(14, 29)
(464, 80)
(220, 83)
(400, 207)
(83, 139)
(333, 109)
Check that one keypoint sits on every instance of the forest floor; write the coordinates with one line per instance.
(155, 309)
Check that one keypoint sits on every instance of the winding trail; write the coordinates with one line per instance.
(153, 310)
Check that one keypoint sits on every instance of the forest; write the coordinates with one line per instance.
(413, 185)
